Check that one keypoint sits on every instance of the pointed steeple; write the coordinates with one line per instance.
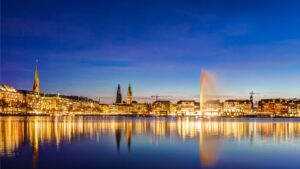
(36, 83)
(129, 95)
(119, 95)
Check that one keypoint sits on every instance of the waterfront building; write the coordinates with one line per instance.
(121, 109)
(197, 107)
(104, 108)
(129, 95)
(33, 101)
(7, 88)
(211, 108)
(236, 107)
(11, 100)
(141, 108)
(274, 106)
(119, 95)
(298, 108)
(130, 109)
(293, 107)
(14, 101)
(160, 107)
(49, 104)
(186, 108)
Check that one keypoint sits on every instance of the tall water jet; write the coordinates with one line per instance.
(207, 87)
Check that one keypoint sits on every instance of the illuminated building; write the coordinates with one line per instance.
(197, 107)
(211, 108)
(275, 106)
(119, 95)
(298, 107)
(236, 107)
(11, 100)
(33, 102)
(160, 107)
(104, 108)
(120, 109)
(293, 107)
(129, 95)
(129, 109)
(36, 84)
(141, 108)
(186, 107)
(6, 88)
(27, 102)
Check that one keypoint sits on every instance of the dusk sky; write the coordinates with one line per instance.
(88, 47)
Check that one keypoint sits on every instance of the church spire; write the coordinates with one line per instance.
(36, 84)
(129, 95)
(119, 95)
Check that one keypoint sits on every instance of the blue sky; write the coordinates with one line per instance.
(88, 47)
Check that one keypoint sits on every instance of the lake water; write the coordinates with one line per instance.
(148, 142)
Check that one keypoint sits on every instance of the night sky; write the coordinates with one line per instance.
(88, 47)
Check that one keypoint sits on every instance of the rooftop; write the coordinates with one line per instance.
(7, 88)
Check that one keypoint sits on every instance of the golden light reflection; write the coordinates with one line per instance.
(37, 131)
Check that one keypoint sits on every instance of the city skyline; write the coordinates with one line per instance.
(87, 49)
(181, 84)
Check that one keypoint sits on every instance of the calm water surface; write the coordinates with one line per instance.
(139, 142)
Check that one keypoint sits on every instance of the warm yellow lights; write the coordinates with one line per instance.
(14, 102)
(42, 130)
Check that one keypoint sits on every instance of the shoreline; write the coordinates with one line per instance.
(145, 115)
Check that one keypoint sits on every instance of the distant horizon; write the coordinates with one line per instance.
(106, 99)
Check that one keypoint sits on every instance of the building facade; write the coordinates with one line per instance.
(236, 107)
(293, 107)
(161, 107)
(273, 106)
(186, 108)
(212, 108)
(27, 102)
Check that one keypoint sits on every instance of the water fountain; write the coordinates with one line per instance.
(207, 87)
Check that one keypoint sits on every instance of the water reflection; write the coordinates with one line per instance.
(17, 132)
